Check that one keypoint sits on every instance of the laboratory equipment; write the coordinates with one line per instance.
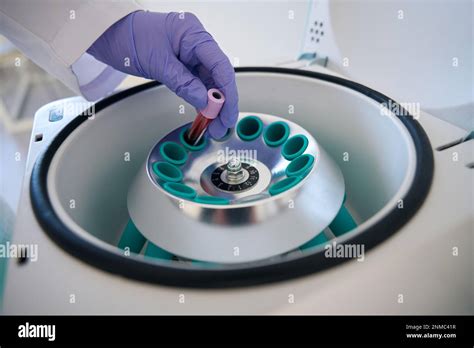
(406, 175)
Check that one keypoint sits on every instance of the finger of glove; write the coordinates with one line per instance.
(217, 129)
(216, 62)
(186, 85)
(205, 76)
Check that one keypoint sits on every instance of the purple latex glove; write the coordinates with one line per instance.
(175, 49)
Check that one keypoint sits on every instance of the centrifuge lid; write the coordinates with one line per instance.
(415, 52)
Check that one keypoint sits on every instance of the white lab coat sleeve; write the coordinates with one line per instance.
(56, 34)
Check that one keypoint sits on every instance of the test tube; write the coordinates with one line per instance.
(215, 100)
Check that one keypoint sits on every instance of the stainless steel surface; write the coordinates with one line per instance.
(197, 171)
(263, 181)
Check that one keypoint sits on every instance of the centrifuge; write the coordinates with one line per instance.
(327, 197)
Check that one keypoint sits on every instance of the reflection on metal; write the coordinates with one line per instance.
(257, 224)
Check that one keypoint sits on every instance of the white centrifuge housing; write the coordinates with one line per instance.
(406, 204)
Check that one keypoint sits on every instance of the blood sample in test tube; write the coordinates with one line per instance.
(215, 100)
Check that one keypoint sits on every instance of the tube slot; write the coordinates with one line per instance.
(276, 134)
(294, 147)
(167, 171)
(197, 147)
(249, 128)
(283, 185)
(180, 190)
(173, 153)
(211, 200)
(300, 166)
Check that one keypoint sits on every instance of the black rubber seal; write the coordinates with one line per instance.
(183, 275)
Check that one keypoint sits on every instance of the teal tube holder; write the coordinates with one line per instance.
(167, 171)
(203, 264)
(155, 251)
(173, 153)
(300, 166)
(284, 185)
(318, 240)
(249, 128)
(180, 190)
(342, 223)
(294, 147)
(276, 134)
(212, 200)
(198, 147)
(131, 238)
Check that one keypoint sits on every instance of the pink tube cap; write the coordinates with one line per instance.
(215, 100)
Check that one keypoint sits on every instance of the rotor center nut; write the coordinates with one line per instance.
(235, 173)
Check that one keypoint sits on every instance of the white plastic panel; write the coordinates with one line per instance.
(414, 51)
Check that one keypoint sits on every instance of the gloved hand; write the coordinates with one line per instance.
(175, 49)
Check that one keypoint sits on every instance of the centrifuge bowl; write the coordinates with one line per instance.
(252, 225)
(79, 183)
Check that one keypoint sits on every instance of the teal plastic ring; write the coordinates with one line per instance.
(167, 171)
(294, 147)
(284, 185)
(249, 128)
(173, 153)
(276, 133)
(201, 145)
(300, 166)
(180, 190)
(212, 200)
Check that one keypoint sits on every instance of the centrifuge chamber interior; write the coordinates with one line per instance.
(82, 170)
